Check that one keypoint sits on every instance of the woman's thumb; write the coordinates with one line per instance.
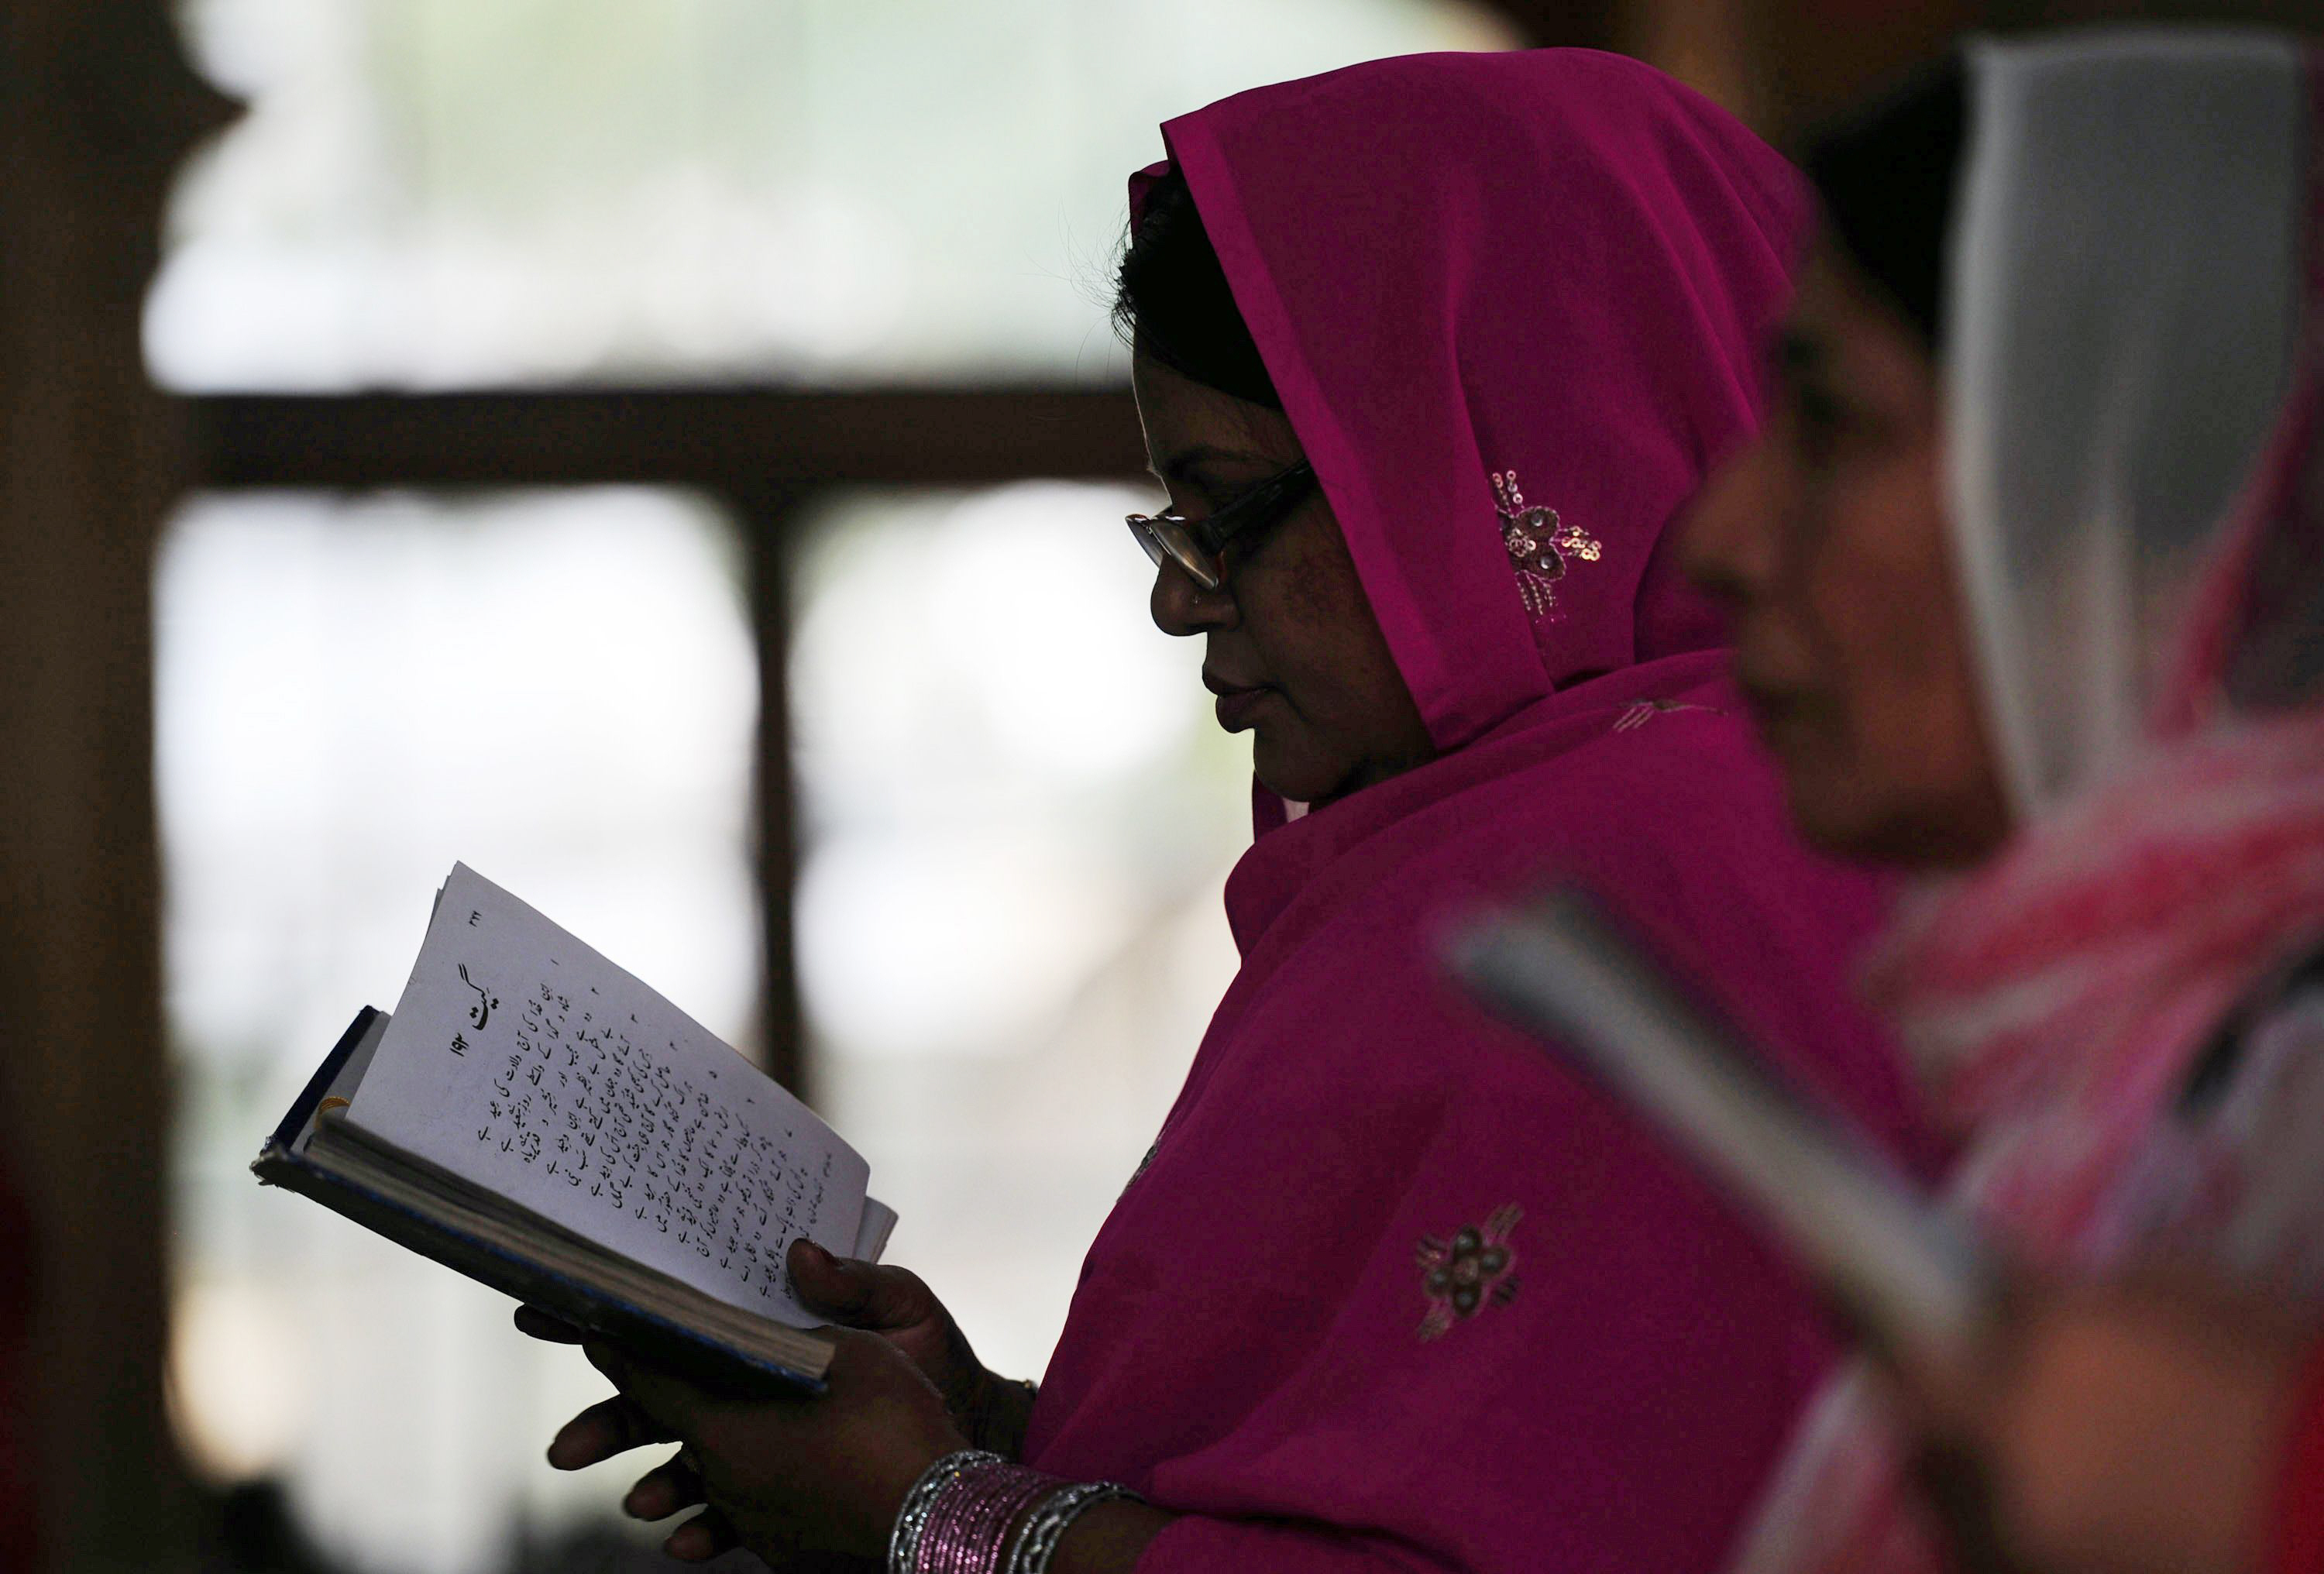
(857, 1293)
(830, 1282)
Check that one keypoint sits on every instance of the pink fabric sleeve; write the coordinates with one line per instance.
(1198, 1544)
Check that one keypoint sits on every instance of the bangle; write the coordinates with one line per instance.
(962, 1516)
(968, 1525)
(1037, 1543)
(912, 1518)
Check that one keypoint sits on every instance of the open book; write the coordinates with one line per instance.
(537, 1119)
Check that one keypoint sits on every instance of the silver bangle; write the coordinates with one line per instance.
(912, 1518)
(1045, 1526)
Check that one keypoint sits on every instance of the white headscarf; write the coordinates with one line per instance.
(2124, 287)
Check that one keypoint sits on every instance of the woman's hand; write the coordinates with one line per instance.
(2131, 1429)
(990, 1410)
(790, 1479)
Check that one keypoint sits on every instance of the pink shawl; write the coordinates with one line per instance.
(1393, 1291)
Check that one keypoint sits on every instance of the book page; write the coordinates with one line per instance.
(527, 1064)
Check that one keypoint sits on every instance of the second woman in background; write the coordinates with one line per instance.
(2030, 571)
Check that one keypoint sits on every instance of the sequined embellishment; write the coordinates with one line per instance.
(1459, 1276)
(1540, 545)
(1645, 711)
(1144, 1165)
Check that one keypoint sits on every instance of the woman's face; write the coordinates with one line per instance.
(1827, 541)
(1291, 646)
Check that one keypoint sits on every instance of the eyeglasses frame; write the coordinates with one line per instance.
(1199, 546)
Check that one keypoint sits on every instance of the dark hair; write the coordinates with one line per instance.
(1887, 175)
(1173, 302)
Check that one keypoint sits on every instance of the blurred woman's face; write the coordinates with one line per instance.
(1826, 541)
(1291, 646)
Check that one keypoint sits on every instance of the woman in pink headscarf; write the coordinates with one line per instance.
(1429, 354)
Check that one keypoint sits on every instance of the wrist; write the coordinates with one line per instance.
(921, 1452)
(1111, 1536)
(996, 1414)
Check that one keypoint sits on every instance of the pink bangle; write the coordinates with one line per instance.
(968, 1525)
(2297, 1544)
(972, 1511)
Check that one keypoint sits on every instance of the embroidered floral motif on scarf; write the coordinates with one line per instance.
(1645, 711)
(1539, 545)
(1144, 1165)
(1459, 1276)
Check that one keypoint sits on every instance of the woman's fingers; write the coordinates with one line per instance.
(856, 1293)
(533, 1322)
(612, 1426)
(663, 1490)
(677, 1404)
(702, 1538)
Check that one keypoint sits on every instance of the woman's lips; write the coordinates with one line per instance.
(1783, 717)
(1767, 704)
(1764, 699)
(1236, 706)
(1765, 687)
(1237, 700)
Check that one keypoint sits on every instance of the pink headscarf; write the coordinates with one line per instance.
(1479, 276)
(1393, 1290)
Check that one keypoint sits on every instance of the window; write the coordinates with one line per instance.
(1017, 819)
(429, 193)
(559, 688)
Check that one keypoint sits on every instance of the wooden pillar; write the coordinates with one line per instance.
(96, 108)
(1704, 43)
(1819, 58)
(768, 517)
(1565, 23)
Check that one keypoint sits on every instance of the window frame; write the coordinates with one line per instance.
(763, 454)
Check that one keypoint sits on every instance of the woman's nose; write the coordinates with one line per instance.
(1181, 606)
(1725, 540)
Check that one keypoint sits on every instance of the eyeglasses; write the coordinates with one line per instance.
(1197, 546)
